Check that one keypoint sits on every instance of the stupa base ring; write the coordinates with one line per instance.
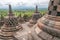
(51, 31)
(7, 37)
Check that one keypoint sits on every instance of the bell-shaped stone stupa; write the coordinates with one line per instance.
(49, 24)
(10, 26)
(36, 15)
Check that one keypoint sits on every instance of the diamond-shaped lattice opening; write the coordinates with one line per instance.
(58, 13)
(55, 8)
(52, 2)
(49, 13)
(11, 22)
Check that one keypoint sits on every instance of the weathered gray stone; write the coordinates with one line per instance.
(45, 35)
(55, 38)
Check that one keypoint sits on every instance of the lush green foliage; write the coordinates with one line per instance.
(22, 12)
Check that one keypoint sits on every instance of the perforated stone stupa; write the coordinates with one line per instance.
(10, 26)
(49, 24)
(36, 15)
(20, 19)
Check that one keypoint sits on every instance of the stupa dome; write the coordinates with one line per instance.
(50, 23)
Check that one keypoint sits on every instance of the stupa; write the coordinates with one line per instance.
(49, 24)
(36, 15)
(25, 18)
(20, 19)
(1, 20)
(10, 26)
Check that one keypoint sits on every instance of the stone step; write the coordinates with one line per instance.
(45, 36)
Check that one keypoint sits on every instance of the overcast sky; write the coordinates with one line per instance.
(24, 2)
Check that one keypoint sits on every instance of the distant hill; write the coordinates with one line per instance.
(25, 7)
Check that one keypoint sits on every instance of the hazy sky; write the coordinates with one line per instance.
(24, 2)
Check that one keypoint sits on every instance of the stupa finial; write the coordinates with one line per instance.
(10, 10)
(36, 9)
